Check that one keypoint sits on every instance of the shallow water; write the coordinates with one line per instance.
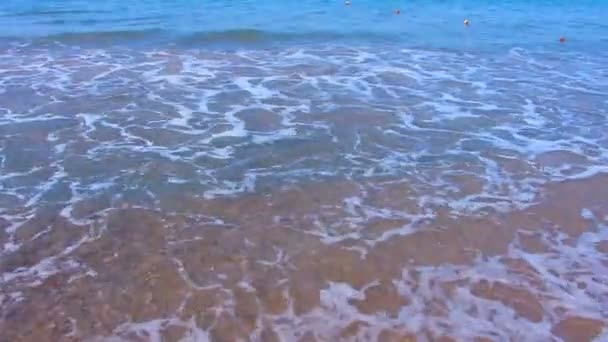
(303, 171)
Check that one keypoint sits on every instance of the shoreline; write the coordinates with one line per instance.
(304, 193)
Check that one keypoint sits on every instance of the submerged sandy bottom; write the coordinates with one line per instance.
(258, 267)
(302, 194)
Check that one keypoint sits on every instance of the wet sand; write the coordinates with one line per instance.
(262, 267)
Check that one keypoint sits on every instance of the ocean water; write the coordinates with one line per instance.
(424, 24)
(303, 171)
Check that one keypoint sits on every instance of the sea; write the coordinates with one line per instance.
(313, 170)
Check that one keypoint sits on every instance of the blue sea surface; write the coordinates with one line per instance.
(494, 24)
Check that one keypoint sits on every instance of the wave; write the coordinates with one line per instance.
(231, 36)
(101, 36)
(262, 36)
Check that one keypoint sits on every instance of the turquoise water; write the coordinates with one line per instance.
(421, 23)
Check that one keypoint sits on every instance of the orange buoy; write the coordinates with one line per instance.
(466, 22)
(397, 11)
(562, 39)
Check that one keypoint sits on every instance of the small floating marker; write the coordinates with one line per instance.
(466, 22)
(562, 39)
(347, 2)
(397, 11)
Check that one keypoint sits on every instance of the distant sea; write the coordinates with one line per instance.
(423, 24)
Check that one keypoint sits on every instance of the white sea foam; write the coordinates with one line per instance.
(97, 122)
